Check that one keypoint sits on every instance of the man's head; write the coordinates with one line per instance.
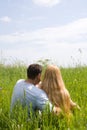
(34, 72)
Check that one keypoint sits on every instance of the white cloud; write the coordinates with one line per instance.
(70, 33)
(46, 3)
(5, 19)
(59, 43)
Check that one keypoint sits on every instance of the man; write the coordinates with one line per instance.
(27, 94)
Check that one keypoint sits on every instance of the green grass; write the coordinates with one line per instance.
(76, 82)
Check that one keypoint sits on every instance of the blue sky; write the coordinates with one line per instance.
(31, 30)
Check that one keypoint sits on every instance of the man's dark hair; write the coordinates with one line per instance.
(33, 70)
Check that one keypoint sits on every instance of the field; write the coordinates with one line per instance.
(75, 80)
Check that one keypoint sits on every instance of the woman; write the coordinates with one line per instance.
(52, 83)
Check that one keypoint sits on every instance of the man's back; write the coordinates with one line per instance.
(28, 95)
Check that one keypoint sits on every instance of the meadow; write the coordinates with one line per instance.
(75, 80)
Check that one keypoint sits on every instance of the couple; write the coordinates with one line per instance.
(51, 90)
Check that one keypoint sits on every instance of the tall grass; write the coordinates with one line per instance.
(76, 82)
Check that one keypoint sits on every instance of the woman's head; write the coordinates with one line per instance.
(52, 77)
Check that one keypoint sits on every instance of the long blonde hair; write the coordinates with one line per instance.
(53, 85)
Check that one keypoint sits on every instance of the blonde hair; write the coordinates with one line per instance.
(53, 85)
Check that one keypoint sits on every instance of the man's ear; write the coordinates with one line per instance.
(39, 75)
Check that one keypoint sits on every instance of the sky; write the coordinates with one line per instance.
(32, 30)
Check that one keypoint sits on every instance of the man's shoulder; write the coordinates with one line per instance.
(20, 80)
(40, 93)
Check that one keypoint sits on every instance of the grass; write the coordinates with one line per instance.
(76, 82)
